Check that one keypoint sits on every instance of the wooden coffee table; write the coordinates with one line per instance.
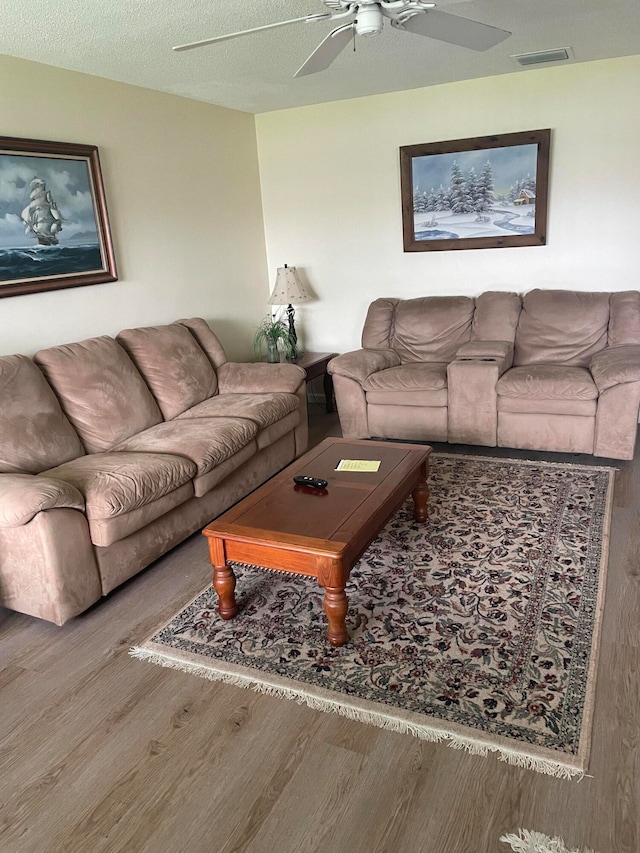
(320, 533)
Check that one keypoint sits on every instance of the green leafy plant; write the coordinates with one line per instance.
(273, 336)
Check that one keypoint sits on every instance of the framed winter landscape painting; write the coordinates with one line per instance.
(481, 193)
(54, 230)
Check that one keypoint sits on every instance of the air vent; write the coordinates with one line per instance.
(559, 54)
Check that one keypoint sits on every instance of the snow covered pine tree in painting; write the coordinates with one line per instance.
(475, 193)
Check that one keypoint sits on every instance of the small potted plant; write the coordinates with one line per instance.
(274, 336)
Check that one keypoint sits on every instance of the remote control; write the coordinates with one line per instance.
(314, 482)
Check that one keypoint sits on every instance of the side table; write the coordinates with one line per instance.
(315, 363)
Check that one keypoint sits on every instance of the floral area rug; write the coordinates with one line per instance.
(480, 628)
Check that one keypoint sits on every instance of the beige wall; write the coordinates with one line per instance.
(182, 186)
(183, 191)
(331, 190)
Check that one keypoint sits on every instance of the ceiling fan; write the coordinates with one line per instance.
(411, 16)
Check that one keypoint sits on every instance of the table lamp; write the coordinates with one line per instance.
(289, 290)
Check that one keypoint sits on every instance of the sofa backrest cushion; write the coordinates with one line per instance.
(496, 316)
(561, 327)
(431, 328)
(174, 366)
(100, 390)
(428, 329)
(624, 318)
(34, 433)
(209, 343)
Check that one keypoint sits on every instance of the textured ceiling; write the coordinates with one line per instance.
(131, 41)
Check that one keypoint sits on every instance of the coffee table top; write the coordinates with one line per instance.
(354, 508)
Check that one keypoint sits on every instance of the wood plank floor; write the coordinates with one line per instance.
(103, 753)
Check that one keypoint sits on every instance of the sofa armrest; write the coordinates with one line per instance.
(23, 496)
(500, 352)
(615, 366)
(259, 378)
(360, 364)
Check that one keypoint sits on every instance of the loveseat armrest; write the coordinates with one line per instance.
(500, 352)
(615, 366)
(360, 364)
(259, 378)
(23, 496)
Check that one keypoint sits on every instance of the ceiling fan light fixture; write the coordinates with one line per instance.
(369, 21)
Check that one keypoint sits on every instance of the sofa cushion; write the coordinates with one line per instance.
(432, 328)
(409, 377)
(106, 531)
(100, 390)
(262, 409)
(496, 316)
(210, 344)
(116, 483)
(561, 327)
(548, 382)
(23, 496)
(34, 433)
(486, 350)
(205, 441)
(173, 365)
(409, 385)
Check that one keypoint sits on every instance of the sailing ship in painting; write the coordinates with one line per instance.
(41, 216)
(47, 221)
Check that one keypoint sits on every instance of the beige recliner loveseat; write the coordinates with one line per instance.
(554, 370)
(113, 451)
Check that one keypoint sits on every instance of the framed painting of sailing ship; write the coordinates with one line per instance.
(54, 229)
(487, 192)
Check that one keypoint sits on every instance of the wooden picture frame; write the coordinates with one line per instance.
(54, 228)
(496, 195)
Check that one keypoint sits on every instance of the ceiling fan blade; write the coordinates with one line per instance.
(327, 51)
(454, 29)
(322, 16)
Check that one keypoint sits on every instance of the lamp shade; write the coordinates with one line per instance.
(288, 289)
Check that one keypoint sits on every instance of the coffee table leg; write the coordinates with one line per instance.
(224, 583)
(336, 605)
(420, 497)
(224, 580)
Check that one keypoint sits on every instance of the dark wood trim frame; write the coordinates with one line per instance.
(10, 145)
(541, 138)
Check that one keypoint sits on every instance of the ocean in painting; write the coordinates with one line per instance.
(35, 262)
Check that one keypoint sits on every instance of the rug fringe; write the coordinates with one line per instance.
(382, 721)
(541, 765)
(527, 841)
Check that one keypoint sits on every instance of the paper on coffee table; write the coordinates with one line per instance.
(358, 465)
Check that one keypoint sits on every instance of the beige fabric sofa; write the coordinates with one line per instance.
(113, 451)
(554, 370)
